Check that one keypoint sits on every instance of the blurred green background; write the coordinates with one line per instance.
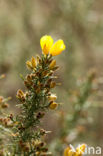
(79, 23)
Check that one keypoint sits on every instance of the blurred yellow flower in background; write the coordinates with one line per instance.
(48, 47)
(69, 152)
(78, 152)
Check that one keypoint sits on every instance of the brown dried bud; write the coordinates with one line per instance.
(44, 73)
(32, 76)
(51, 73)
(20, 93)
(38, 90)
(21, 128)
(29, 65)
(5, 105)
(42, 144)
(42, 132)
(1, 99)
(38, 59)
(1, 120)
(37, 74)
(44, 149)
(49, 81)
(1, 152)
(52, 84)
(28, 77)
(40, 115)
(52, 64)
(11, 116)
(27, 84)
(26, 148)
(35, 86)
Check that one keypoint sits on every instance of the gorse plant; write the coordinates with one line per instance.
(27, 134)
(38, 98)
(5, 122)
(23, 133)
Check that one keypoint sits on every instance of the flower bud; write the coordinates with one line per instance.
(5, 105)
(40, 115)
(44, 73)
(32, 76)
(53, 105)
(38, 59)
(20, 93)
(44, 149)
(29, 65)
(33, 62)
(52, 97)
(38, 90)
(28, 77)
(42, 131)
(27, 84)
(52, 64)
(52, 84)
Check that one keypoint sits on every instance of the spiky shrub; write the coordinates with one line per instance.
(27, 135)
(5, 121)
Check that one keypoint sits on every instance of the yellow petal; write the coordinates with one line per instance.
(53, 105)
(52, 64)
(52, 84)
(68, 152)
(29, 65)
(46, 43)
(52, 97)
(57, 48)
(33, 62)
(80, 150)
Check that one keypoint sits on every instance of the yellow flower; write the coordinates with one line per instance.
(57, 48)
(78, 152)
(46, 43)
(48, 47)
(53, 105)
(69, 152)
